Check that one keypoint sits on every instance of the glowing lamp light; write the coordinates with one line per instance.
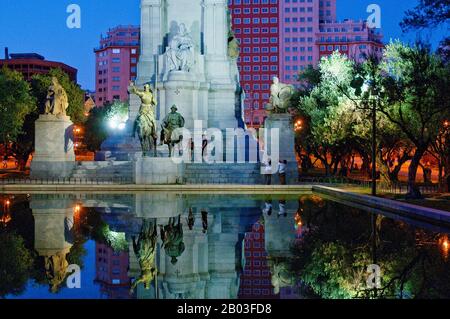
(298, 125)
(444, 245)
(113, 123)
(8, 202)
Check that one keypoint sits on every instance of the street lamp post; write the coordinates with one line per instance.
(374, 148)
(251, 108)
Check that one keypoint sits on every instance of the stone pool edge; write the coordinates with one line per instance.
(397, 207)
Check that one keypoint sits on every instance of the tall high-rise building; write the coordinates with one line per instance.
(116, 63)
(256, 277)
(112, 272)
(256, 25)
(291, 35)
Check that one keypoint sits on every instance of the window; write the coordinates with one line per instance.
(116, 60)
(133, 51)
(115, 51)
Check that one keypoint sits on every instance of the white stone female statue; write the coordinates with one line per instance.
(180, 53)
(280, 93)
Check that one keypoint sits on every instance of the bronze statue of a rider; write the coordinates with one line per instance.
(172, 238)
(145, 249)
(170, 124)
(145, 124)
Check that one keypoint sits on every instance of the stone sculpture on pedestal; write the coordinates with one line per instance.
(57, 101)
(280, 95)
(54, 155)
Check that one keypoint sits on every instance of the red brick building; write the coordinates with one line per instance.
(116, 63)
(257, 28)
(112, 272)
(30, 64)
(256, 277)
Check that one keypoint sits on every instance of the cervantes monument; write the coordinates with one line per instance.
(189, 60)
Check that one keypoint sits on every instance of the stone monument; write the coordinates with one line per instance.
(279, 118)
(54, 155)
(189, 56)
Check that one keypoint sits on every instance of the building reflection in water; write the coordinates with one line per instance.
(112, 272)
(255, 281)
(213, 246)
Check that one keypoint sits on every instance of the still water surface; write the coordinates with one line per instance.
(165, 245)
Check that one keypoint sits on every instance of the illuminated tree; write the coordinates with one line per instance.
(416, 86)
(97, 124)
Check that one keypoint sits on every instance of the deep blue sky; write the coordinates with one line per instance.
(40, 26)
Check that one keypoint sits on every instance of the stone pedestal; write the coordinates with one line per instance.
(54, 155)
(286, 143)
(156, 170)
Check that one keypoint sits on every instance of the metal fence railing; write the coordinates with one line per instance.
(395, 188)
(67, 181)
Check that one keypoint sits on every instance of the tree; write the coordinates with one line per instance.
(24, 144)
(416, 86)
(15, 264)
(16, 102)
(330, 117)
(96, 126)
(427, 14)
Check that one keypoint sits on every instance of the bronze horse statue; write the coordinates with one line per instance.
(146, 130)
(145, 124)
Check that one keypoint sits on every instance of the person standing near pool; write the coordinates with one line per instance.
(268, 171)
(282, 171)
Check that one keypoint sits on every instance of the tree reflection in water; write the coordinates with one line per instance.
(340, 242)
(332, 247)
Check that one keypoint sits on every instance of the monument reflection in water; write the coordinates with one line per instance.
(170, 246)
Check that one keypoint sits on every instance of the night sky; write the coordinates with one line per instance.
(40, 26)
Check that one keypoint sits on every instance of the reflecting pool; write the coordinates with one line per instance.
(171, 246)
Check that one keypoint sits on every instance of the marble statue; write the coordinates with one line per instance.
(145, 124)
(280, 94)
(180, 52)
(281, 275)
(170, 124)
(57, 101)
(145, 249)
(172, 238)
